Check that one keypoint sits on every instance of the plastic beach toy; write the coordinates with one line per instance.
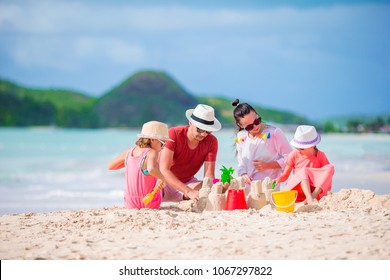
(149, 197)
(216, 180)
(226, 175)
(235, 200)
(284, 200)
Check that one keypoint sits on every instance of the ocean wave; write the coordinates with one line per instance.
(57, 193)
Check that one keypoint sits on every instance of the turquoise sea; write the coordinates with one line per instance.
(48, 169)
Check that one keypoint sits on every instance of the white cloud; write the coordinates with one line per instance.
(48, 53)
(58, 16)
(54, 54)
(116, 50)
(86, 31)
(236, 47)
(37, 16)
(84, 16)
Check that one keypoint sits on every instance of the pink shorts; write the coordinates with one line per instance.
(173, 195)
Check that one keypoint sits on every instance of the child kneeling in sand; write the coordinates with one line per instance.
(142, 170)
(312, 172)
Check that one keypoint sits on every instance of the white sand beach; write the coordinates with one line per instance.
(350, 224)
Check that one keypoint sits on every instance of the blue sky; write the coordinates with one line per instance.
(315, 58)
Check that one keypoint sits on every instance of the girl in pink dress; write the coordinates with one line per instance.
(141, 167)
(312, 172)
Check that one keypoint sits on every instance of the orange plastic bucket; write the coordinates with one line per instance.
(284, 201)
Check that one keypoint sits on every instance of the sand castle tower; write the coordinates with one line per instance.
(216, 200)
(256, 198)
(204, 193)
(237, 183)
(267, 188)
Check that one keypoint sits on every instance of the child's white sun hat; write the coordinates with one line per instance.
(306, 136)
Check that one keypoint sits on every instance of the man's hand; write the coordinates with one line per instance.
(192, 194)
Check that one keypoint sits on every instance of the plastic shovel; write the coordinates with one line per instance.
(148, 198)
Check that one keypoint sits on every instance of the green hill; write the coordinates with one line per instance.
(145, 96)
(20, 106)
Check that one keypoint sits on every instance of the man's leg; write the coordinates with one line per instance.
(173, 195)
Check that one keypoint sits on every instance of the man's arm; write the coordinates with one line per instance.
(166, 159)
(209, 169)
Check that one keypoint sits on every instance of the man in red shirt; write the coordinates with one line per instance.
(193, 146)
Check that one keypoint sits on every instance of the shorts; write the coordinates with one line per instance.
(173, 195)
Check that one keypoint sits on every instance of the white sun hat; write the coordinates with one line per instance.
(203, 117)
(155, 130)
(306, 136)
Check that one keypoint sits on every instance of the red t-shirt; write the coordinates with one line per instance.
(186, 162)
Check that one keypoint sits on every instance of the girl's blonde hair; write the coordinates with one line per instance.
(144, 142)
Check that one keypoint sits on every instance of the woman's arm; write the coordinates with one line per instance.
(209, 169)
(242, 168)
(282, 146)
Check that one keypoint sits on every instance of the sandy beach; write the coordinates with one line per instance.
(350, 224)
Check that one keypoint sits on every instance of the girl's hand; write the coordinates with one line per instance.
(160, 184)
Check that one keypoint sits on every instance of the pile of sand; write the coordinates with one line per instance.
(355, 198)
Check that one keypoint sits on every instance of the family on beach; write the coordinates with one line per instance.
(165, 161)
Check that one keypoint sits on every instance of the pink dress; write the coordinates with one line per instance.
(316, 169)
(138, 184)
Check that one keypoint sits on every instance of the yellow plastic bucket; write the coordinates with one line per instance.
(284, 201)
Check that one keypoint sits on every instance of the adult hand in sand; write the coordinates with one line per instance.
(192, 194)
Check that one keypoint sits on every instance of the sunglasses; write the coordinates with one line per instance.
(200, 131)
(249, 127)
(162, 143)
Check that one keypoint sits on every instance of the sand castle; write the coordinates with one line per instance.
(213, 197)
(204, 193)
(256, 198)
(216, 200)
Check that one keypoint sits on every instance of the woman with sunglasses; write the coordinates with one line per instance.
(141, 167)
(262, 149)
